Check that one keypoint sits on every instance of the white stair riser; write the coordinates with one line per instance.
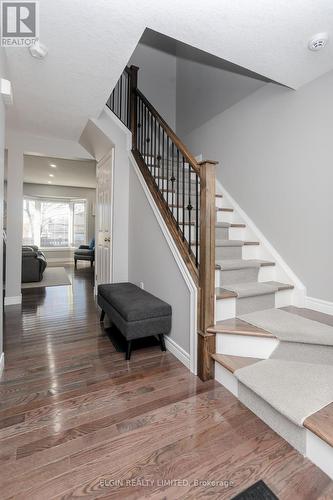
(250, 252)
(245, 345)
(226, 378)
(225, 309)
(284, 298)
(320, 453)
(224, 217)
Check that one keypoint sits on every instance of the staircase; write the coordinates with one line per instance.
(245, 338)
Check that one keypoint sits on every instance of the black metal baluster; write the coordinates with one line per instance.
(112, 100)
(197, 220)
(159, 157)
(177, 197)
(151, 141)
(121, 96)
(163, 158)
(128, 101)
(167, 187)
(142, 126)
(155, 159)
(172, 178)
(189, 207)
(118, 100)
(184, 222)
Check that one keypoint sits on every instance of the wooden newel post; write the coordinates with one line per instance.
(133, 85)
(206, 341)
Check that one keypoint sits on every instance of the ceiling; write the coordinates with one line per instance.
(90, 42)
(77, 173)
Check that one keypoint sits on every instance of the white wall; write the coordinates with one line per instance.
(157, 77)
(2, 167)
(151, 261)
(276, 156)
(110, 127)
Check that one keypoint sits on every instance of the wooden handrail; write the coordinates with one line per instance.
(184, 191)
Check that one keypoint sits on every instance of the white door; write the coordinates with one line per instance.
(103, 244)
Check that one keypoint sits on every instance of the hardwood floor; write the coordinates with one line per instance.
(76, 419)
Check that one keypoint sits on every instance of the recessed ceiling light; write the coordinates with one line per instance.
(318, 42)
(51, 175)
(53, 165)
(49, 182)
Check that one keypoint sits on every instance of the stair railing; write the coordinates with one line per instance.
(184, 191)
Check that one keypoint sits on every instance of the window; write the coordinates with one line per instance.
(51, 223)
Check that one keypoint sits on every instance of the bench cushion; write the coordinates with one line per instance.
(132, 302)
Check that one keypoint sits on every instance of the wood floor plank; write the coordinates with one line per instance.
(73, 412)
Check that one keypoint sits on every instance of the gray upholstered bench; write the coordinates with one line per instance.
(135, 312)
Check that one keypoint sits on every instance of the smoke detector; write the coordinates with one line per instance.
(318, 42)
(38, 50)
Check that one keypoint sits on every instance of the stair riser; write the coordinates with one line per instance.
(225, 253)
(225, 309)
(238, 276)
(222, 233)
(224, 216)
(245, 345)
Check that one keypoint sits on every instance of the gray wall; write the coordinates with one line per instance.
(65, 192)
(276, 159)
(157, 77)
(150, 260)
(206, 87)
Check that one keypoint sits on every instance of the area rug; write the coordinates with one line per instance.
(290, 327)
(53, 276)
(258, 491)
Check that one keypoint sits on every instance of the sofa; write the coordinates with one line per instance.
(85, 252)
(33, 264)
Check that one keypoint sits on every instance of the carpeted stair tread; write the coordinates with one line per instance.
(305, 353)
(236, 326)
(290, 327)
(233, 363)
(280, 286)
(252, 289)
(294, 389)
(321, 424)
(235, 264)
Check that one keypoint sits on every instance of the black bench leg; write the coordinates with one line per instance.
(128, 350)
(102, 316)
(162, 342)
(75, 263)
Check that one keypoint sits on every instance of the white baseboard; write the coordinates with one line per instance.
(320, 305)
(10, 301)
(177, 351)
(2, 363)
